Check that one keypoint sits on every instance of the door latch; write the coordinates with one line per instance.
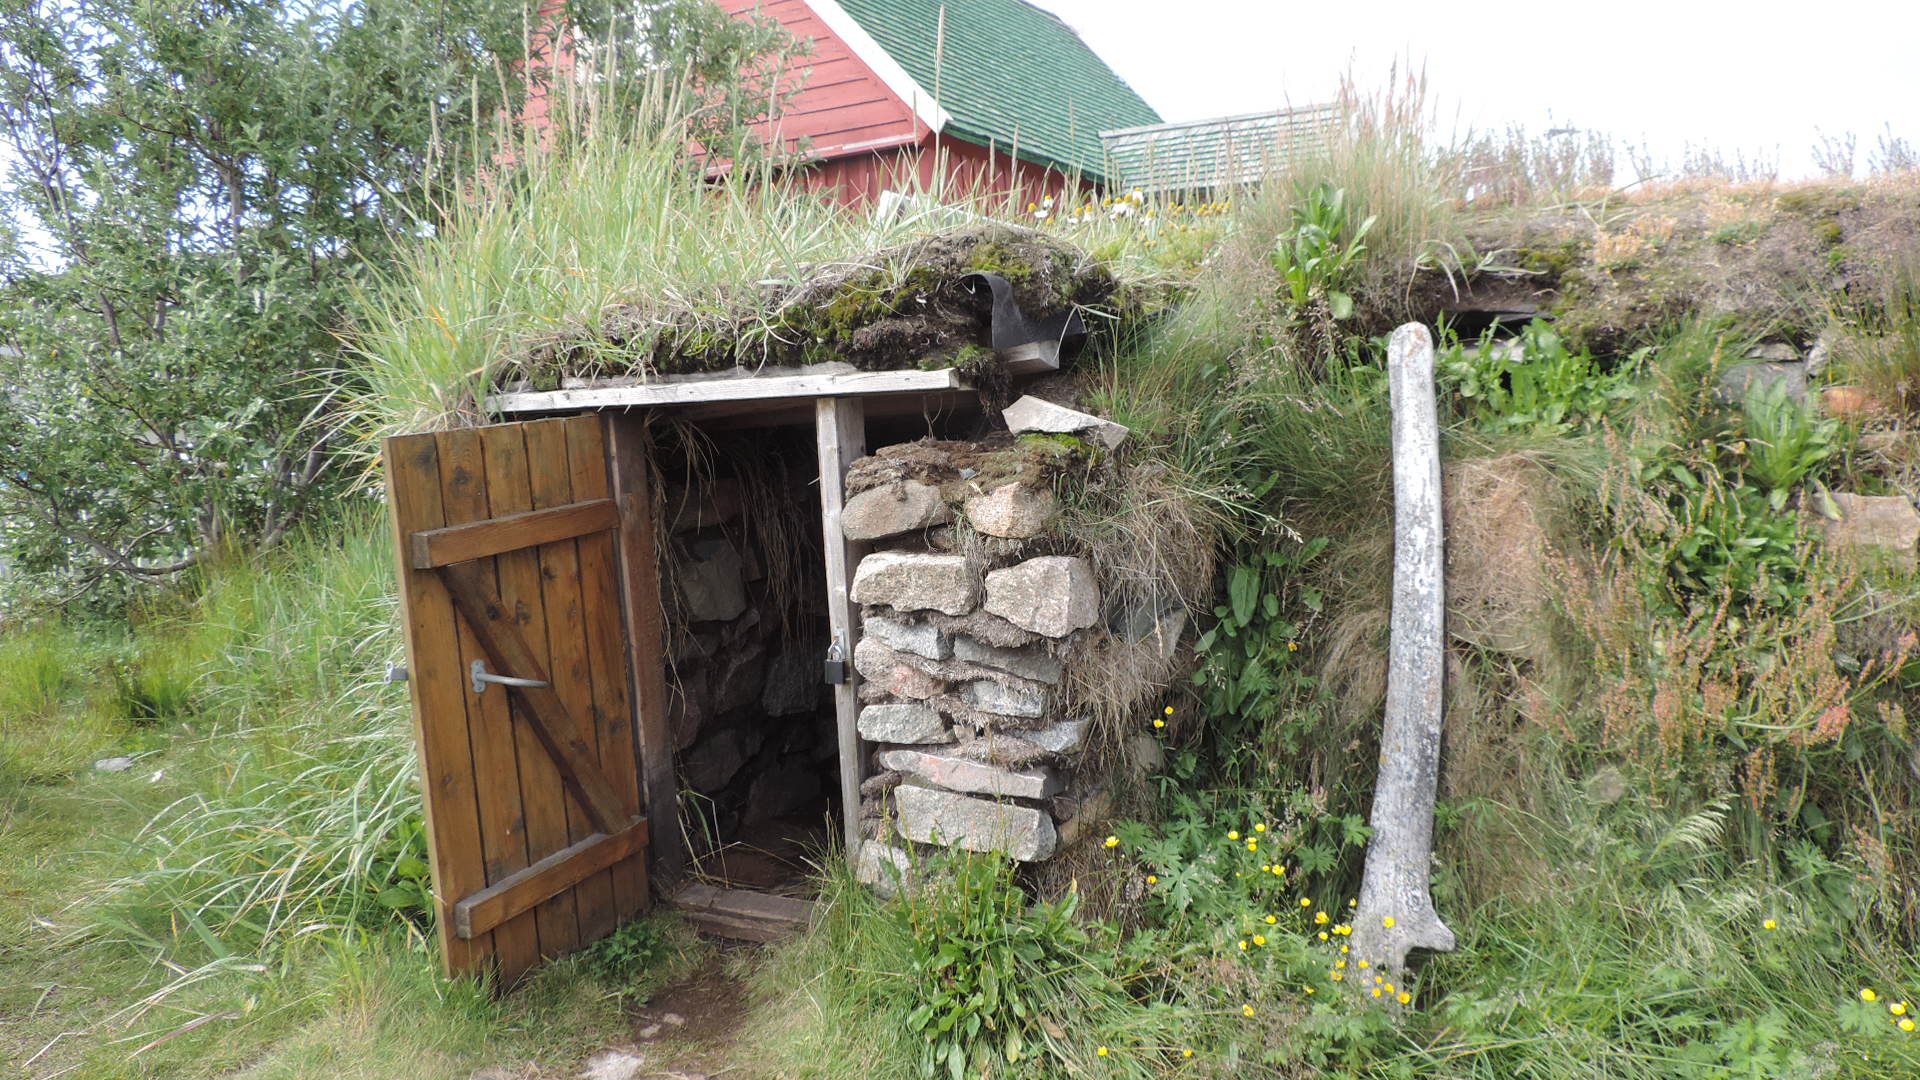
(481, 677)
(835, 673)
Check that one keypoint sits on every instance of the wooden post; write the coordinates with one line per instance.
(1395, 913)
(840, 426)
(627, 460)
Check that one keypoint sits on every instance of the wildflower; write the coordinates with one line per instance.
(1113, 841)
(1378, 979)
(1259, 828)
(1320, 918)
(1376, 991)
(1339, 965)
(1259, 939)
(1169, 711)
(1264, 869)
(1159, 723)
(1906, 1025)
(1243, 944)
(1308, 989)
(1293, 646)
(1364, 964)
(1306, 901)
(1353, 903)
(1246, 1010)
(1343, 930)
(1769, 925)
(1343, 950)
(1233, 834)
(1867, 994)
(1387, 921)
(1323, 935)
(1404, 998)
(1278, 869)
(1336, 976)
(1898, 1008)
(1252, 844)
(1186, 1053)
(1153, 879)
(1271, 919)
(1102, 1051)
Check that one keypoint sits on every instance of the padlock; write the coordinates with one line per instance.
(836, 666)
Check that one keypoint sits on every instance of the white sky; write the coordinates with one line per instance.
(1752, 76)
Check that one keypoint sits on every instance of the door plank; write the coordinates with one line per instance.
(552, 485)
(840, 428)
(564, 869)
(612, 713)
(479, 539)
(439, 713)
(630, 462)
(463, 489)
(522, 606)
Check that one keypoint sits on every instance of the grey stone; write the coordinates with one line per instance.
(884, 868)
(793, 680)
(1032, 414)
(781, 791)
(113, 764)
(1013, 512)
(920, 639)
(929, 815)
(1026, 663)
(1065, 737)
(909, 582)
(885, 669)
(1732, 387)
(1821, 354)
(713, 582)
(1052, 595)
(614, 1065)
(1135, 619)
(991, 629)
(714, 761)
(961, 774)
(1883, 525)
(892, 509)
(741, 678)
(1778, 352)
(902, 724)
(1145, 755)
(689, 707)
(704, 505)
(989, 696)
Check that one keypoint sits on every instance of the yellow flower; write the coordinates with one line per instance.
(1353, 903)
(1867, 994)
(1233, 834)
(1293, 646)
(1378, 979)
(1243, 944)
(1278, 869)
(1769, 925)
(1336, 976)
(1363, 964)
(1320, 918)
(1252, 844)
(1323, 935)
(1113, 841)
(1186, 1053)
(1906, 1025)
(1271, 919)
(1259, 828)
(1389, 988)
(1159, 723)
(1404, 997)
(1153, 879)
(1343, 950)
(1340, 965)
(1264, 869)
(1387, 921)
(1376, 991)
(1169, 712)
(1246, 1010)
(1343, 930)
(1898, 1008)
(1259, 939)
(1306, 901)
(1102, 1051)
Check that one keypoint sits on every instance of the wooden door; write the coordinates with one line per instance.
(507, 539)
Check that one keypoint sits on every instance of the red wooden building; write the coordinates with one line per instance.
(992, 96)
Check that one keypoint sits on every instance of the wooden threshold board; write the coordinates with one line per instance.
(742, 913)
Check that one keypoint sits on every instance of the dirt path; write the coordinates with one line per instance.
(688, 1031)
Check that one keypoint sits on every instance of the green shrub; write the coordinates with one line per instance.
(1786, 440)
(1538, 386)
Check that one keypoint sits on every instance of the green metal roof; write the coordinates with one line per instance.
(1213, 155)
(1005, 70)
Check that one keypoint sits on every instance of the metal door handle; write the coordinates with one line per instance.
(481, 677)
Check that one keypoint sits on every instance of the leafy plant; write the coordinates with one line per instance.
(1786, 441)
(1534, 384)
(1249, 667)
(1318, 255)
(622, 957)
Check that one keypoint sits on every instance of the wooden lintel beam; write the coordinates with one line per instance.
(747, 388)
(524, 890)
(479, 539)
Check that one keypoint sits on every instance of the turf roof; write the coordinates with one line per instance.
(1005, 69)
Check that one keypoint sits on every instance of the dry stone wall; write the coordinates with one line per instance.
(977, 608)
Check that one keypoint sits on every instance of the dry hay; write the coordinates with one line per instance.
(1499, 580)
